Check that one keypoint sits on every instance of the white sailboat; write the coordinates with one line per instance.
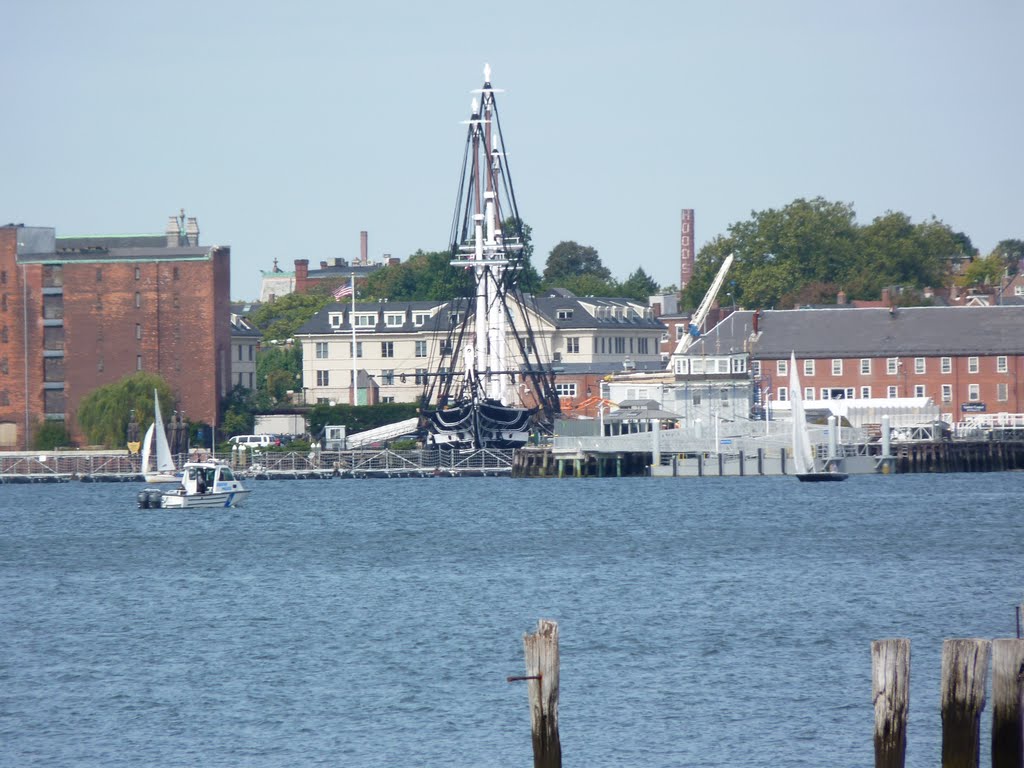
(155, 445)
(803, 453)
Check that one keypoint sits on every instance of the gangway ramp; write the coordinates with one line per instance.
(382, 434)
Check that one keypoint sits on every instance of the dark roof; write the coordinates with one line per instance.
(873, 332)
(190, 253)
(320, 322)
(88, 242)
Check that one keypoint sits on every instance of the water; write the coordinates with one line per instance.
(373, 623)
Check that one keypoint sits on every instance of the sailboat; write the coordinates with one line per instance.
(803, 453)
(155, 445)
(490, 389)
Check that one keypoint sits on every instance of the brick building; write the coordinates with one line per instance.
(78, 313)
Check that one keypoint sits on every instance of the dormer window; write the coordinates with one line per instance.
(564, 314)
(394, 319)
(335, 320)
(366, 320)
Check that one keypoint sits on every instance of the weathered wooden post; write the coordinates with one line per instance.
(1007, 703)
(541, 649)
(890, 691)
(964, 672)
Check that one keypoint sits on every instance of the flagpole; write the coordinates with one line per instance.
(352, 322)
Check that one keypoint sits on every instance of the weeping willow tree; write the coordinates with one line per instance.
(104, 413)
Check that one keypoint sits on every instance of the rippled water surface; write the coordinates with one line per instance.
(710, 622)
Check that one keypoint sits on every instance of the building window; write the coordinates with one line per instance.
(566, 389)
(359, 349)
(138, 330)
(1002, 392)
(323, 378)
(3, 302)
(808, 367)
(892, 365)
(53, 307)
(1001, 364)
(99, 275)
(388, 399)
(393, 320)
(53, 369)
(335, 321)
(421, 375)
(252, 349)
(138, 362)
(782, 395)
(974, 392)
(53, 338)
(891, 392)
(919, 390)
(3, 277)
(782, 367)
(972, 365)
(387, 376)
(138, 299)
(919, 365)
(421, 349)
(240, 379)
(366, 320)
(387, 349)
(174, 273)
(138, 273)
(808, 393)
(572, 344)
(250, 381)
(755, 368)
(680, 332)
(947, 393)
(320, 350)
(865, 365)
(446, 347)
(837, 367)
(865, 392)
(564, 314)
(946, 365)
(420, 318)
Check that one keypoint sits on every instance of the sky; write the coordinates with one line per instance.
(286, 129)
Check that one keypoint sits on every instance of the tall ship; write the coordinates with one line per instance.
(492, 389)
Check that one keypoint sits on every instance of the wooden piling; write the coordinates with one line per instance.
(964, 672)
(541, 649)
(890, 691)
(1007, 703)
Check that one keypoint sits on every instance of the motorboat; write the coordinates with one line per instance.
(210, 483)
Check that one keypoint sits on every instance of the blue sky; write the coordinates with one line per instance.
(287, 128)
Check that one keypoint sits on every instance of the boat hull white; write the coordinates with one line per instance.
(203, 500)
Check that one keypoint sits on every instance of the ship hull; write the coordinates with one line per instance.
(480, 425)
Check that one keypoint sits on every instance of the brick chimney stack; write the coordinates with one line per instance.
(363, 243)
(301, 275)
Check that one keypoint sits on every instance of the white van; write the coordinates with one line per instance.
(252, 441)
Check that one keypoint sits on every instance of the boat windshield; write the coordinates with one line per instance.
(226, 474)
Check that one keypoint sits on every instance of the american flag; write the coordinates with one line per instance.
(342, 291)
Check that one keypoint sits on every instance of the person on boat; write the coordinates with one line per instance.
(200, 481)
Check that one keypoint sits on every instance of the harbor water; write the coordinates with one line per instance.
(712, 622)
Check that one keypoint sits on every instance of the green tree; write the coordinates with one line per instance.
(569, 261)
(104, 413)
(48, 435)
(639, 286)
(278, 369)
(281, 318)
(358, 418)
(528, 278)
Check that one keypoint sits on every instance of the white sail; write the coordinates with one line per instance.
(164, 460)
(147, 449)
(803, 457)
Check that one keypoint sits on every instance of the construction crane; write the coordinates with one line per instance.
(693, 328)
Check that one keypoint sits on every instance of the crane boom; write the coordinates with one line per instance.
(693, 331)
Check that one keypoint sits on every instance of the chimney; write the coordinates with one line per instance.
(301, 275)
(841, 298)
(323, 265)
(192, 231)
(686, 248)
(755, 319)
(172, 232)
(363, 247)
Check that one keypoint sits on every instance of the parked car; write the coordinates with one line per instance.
(253, 441)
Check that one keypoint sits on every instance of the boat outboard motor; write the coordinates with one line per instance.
(156, 499)
(143, 499)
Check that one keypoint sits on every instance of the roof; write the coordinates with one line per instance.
(902, 331)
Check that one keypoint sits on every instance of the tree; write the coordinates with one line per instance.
(278, 369)
(529, 279)
(639, 286)
(104, 413)
(569, 260)
(48, 435)
(281, 318)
